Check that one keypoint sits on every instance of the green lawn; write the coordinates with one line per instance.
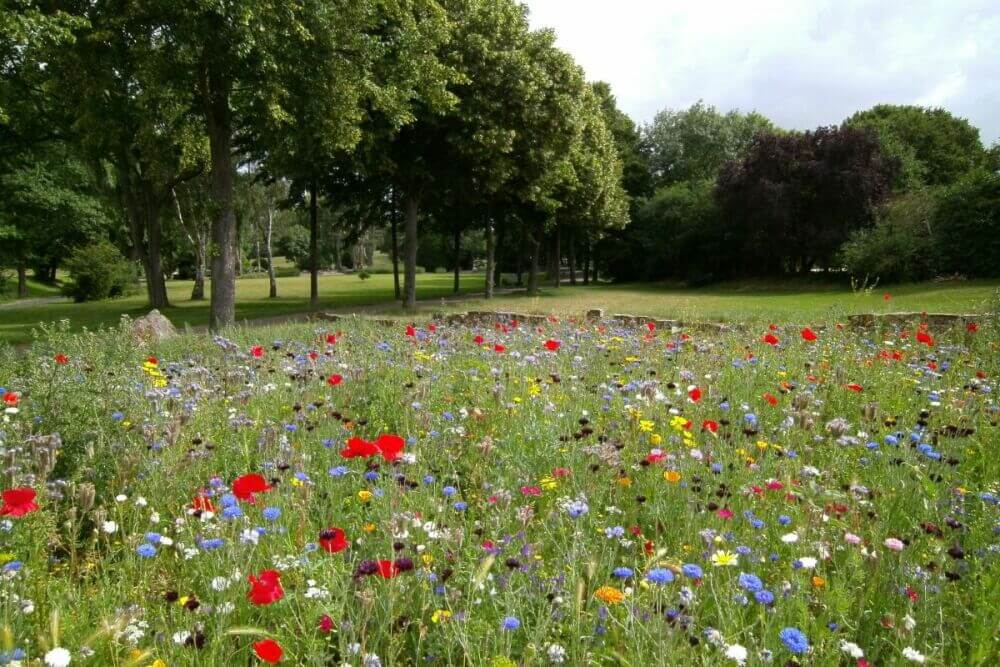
(343, 291)
(789, 301)
(36, 289)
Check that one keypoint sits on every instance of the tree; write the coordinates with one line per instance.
(966, 225)
(795, 198)
(933, 146)
(694, 143)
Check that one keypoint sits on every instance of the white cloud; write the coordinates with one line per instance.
(802, 63)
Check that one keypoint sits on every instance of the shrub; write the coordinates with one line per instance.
(966, 226)
(364, 275)
(900, 246)
(99, 271)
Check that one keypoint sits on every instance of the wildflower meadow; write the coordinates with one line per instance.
(574, 492)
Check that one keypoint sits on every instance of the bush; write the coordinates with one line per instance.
(900, 247)
(966, 226)
(99, 271)
(364, 275)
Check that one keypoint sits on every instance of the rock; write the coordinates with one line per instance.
(153, 327)
(595, 314)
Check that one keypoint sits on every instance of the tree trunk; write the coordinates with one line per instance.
(458, 257)
(490, 258)
(410, 260)
(22, 279)
(557, 258)
(395, 247)
(501, 238)
(272, 282)
(586, 263)
(156, 284)
(222, 312)
(313, 248)
(535, 246)
(572, 258)
(200, 268)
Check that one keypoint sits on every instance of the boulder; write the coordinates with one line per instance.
(153, 327)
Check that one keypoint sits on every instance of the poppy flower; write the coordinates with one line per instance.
(18, 502)
(432, 328)
(651, 326)
(770, 398)
(391, 446)
(925, 338)
(331, 339)
(886, 297)
(770, 339)
(334, 379)
(11, 399)
(203, 503)
(854, 386)
(359, 447)
(257, 351)
(246, 486)
(710, 425)
(972, 327)
(61, 359)
(410, 330)
(499, 348)
(325, 624)
(772, 327)
(333, 540)
(387, 569)
(478, 340)
(268, 650)
(694, 393)
(552, 345)
(808, 335)
(265, 588)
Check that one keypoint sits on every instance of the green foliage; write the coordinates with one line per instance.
(934, 147)
(99, 271)
(900, 247)
(967, 226)
(294, 245)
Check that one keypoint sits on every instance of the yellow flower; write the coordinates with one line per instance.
(548, 483)
(625, 481)
(501, 661)
(724, 559)
(609, 595)
(364, 495)
(672, 476)
(440, 615)
(818, 582)
(656, 439)
(427, 558)
(762, 445)
(646, 425)
(158, 663)
(368, 527)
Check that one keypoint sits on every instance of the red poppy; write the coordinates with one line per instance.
(334, 380)
(655, 458)
(257, 351)
(410, 330)
(709, 425)
(62, 359)
(499, 348)
(432, 328)
(359, 447)
(11, 399)
(203, 503)
(854, 386)
(651, 326)
(325, 624)
(331, 339)
(153, 361)
(981, 375)
(391, 446)
(725, 513)
(886, 297)
(478, 340)
(552, 345)
(387, 569)
(770, 398)
(246, 486)
(268, 650)
(265, 588)
(313, 355)
(772, 327)
(18, 502)
(972, 327)
(808, 334)
(333, 540)
(925, 338)
(770, 339)
(694, 393)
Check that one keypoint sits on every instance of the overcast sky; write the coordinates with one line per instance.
(802, 63)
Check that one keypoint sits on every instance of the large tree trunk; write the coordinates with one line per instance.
(410, 260)
(272, 282)
(313, 247)
(218, 120)
(395, 247)
(22, 279)
(458, 257)
(572, 258)
(490, 258)
(156, 284)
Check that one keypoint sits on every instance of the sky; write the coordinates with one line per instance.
(802, 63)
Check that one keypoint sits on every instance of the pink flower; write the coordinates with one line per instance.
(851, 538)
(893, 543)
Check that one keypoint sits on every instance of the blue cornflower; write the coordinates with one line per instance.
(461, 506)
(614, 532)
(449, 491)
(153, 538)
(211, 544)
(764, 597)
(271, 513)
(660, 576)
(794, 639)
(622, 572)
(232, 512)
(428, 479)
(510, 623)
(146, 550)
(118, 416)
(784, 519)
(692, 571)
(338, 471)
(228, 500)
(371, 475)
(750, 582)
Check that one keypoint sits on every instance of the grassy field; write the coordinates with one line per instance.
(341, 291)
(567, 495)
(36, 290)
